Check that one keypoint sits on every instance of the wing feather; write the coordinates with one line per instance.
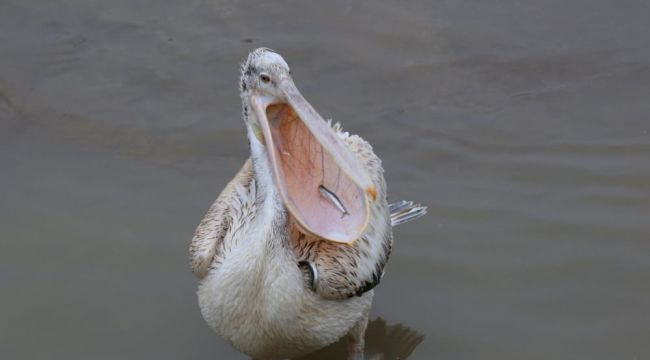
(209, 234)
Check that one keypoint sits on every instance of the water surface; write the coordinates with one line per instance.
(524, 126)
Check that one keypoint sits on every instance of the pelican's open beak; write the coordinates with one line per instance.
(322, 183)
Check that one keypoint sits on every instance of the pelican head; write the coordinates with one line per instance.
(321, 182)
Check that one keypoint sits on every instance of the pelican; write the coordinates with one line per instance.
(289, 253)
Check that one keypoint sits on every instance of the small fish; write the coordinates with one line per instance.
(333, 199)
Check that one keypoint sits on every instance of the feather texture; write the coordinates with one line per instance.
(225, 212)
(405, 211)
(343, 270)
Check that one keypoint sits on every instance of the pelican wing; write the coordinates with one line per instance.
(209, 235)
(346, 270)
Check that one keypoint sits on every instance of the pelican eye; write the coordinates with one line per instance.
(265, 78)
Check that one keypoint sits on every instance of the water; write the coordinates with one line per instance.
(522, 125)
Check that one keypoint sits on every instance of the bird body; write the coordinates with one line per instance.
(256, 297)
(285, 267)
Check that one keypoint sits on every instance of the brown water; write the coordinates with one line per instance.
(524, 126)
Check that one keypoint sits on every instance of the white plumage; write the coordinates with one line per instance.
(249, 251)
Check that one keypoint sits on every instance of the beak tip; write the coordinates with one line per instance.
(372, 191)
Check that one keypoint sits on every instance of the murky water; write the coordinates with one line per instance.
(524, 126)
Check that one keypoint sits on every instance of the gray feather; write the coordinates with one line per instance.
(405, 211)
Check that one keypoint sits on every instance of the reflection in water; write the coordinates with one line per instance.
(382, 342)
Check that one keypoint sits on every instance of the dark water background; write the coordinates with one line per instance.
(523, 125)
